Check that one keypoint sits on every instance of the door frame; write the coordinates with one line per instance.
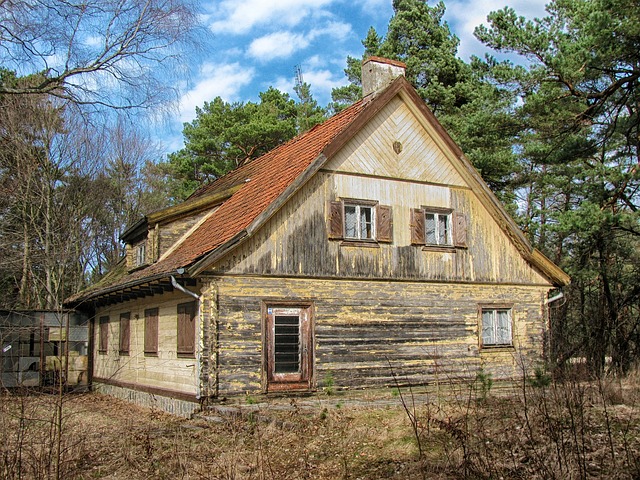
(271, 383)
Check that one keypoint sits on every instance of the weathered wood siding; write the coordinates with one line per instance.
(164, 370)
(365, 330)
(171, 232)
(295, 240)
(371, 151)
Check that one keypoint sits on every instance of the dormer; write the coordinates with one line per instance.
(136, 240)
(158, 233)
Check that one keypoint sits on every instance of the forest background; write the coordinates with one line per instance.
(555, 132)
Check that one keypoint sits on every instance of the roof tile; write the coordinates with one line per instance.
(263, 180)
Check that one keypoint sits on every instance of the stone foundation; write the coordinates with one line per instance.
(174, 406)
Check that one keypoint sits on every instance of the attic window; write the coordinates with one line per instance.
(438, 227)
(140, 254)
(360, 221)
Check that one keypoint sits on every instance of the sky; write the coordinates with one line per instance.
(259, 43)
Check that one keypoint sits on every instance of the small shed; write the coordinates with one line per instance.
(39, 348)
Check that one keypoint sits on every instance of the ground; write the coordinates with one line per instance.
(534, 430)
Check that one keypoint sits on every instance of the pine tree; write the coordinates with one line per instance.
(580, 103)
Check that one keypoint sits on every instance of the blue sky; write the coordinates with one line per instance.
(258, 43)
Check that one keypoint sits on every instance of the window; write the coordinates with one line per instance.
(151, 331)
(104, 334)
(435, 227)
(496, 327)
(186, 329)
(288, 347)
(360, 221)
(125, 333)
(140, 254)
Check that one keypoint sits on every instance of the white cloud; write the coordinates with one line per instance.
(338, 31)
(283, 44)
(216, 81)
(277, 45)
(285, 85)
(464, 16)
(322, 81)
(239, 17)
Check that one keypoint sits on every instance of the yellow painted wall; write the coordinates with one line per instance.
(166, 370)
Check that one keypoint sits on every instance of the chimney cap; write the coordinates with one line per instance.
(388, 61)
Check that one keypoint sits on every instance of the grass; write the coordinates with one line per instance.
(572, 430)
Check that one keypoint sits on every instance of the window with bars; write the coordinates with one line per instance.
(288, 347)
(286, 344)
(496, 327)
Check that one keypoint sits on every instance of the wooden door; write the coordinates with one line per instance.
(289, 351)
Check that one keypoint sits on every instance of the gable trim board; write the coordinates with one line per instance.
(249, 205)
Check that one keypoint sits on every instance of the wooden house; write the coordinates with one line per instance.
(364, 248)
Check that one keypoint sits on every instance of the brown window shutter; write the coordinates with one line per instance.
(417, 226)
(186, 328)
(384, 227)
(104, 335)
(335, 222)
(151, 330)
(125, 332)
(460, 230)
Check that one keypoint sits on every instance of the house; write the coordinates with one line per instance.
(364, 248)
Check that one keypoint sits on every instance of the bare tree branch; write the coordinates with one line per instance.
(113, 53)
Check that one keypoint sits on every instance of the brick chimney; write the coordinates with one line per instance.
(378, 72)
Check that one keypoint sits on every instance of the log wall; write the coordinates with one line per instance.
(366, 331)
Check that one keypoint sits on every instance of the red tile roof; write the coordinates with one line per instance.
(264, 180)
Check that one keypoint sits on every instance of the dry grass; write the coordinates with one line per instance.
(574, 430)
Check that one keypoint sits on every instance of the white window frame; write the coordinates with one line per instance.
(140, 254)
(494, 333)
(358, 227)
(440, 239)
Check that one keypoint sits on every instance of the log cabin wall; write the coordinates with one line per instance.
(365, 331)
